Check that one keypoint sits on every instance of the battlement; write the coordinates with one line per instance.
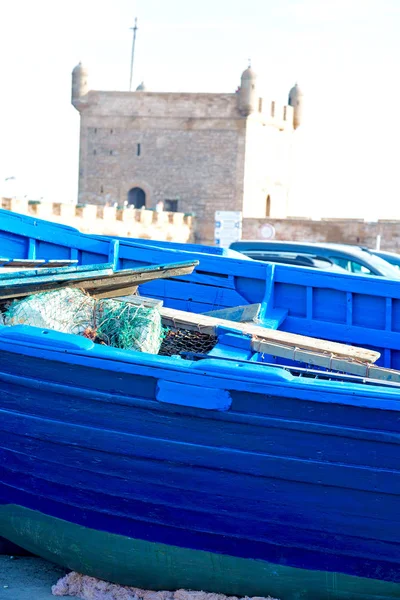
(180, 105)
(161, 105)
(109, 220)
(275, 114)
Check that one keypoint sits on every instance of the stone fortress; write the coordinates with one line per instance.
(197, 153)
(194, 152)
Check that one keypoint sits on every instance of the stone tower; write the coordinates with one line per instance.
(247, 96)
(195, 152)
(79, 86)
(296, 101)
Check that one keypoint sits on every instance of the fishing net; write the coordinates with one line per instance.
(128, 326)
(68, 310)
(183, 340)
(110, 322)
(89, 588)
(116, 323)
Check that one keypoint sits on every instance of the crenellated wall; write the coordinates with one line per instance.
(177, 227)
(109, 220)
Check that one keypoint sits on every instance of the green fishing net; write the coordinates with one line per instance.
(115, 323)
(128, 326)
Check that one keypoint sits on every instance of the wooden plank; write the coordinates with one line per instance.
(126, 282)
(141, 301)
(38, 263)
(21, 262)
(18, 288)
(100, 283)
(332, 363)
(248, 313)
(112, 291)
(8, 278)
(19, 266)
(60, 263)
(383, 374)
(206, 324)
(313, 351)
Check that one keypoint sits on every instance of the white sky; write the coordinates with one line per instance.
(344, 53)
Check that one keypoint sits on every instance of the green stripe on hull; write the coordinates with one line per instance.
(155, 566)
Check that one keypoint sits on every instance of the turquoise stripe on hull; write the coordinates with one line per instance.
(156, 566)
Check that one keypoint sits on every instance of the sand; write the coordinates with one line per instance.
(27, 578)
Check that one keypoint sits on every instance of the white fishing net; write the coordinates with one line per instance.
(68, 310)
(115, 323)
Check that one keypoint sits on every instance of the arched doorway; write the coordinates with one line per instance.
(268, 206)
(137, 197)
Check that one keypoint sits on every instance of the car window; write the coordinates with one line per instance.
(376, 264)
(293, 258)
(382, 266)
(357, 267)
(341, 262)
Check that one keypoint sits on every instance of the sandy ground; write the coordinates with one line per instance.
(27, 578)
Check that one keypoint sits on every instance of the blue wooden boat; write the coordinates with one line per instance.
(217, 471)
(228, 476)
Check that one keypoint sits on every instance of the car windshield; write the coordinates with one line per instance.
(382, 265)
(390, 257)
(293, 258)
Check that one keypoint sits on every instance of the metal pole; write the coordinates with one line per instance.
(135, 28)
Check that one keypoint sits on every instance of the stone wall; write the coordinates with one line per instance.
(197, 167)
(178, 227)
(109, 220)
(347, 231)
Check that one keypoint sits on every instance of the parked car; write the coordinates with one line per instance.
(352, 259)
(291, 258)
(390, 257)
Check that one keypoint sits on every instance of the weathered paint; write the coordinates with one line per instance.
(297, 473)
(288, 475)
(172, 392)
(150, 565)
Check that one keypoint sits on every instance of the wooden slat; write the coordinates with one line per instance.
(126, 282)
(141, 301)
(60, 263)
(332, 363)
(206, 324)
(25, 286)
(21, 262)
(100, 283)
(17, 265)
(9, 278)
(313, 351)
(249, 313)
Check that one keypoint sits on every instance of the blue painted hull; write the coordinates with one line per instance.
(302, 473)
(268, 467)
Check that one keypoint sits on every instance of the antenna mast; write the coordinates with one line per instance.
(134, 29)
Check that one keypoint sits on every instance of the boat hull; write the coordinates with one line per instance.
(248, 464)
(161, 566)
